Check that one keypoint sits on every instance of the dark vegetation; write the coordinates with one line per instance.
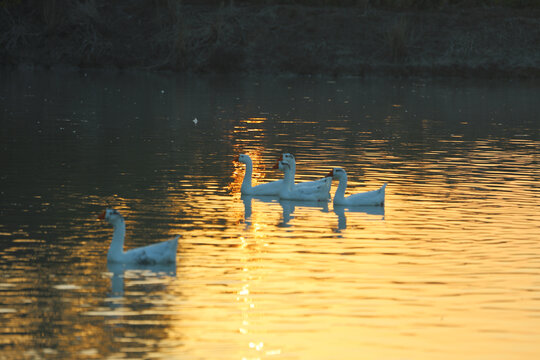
(488, 38)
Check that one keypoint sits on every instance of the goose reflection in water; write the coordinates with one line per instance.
(369, 210)
(247, 200)
(289, 206)
(146, 274)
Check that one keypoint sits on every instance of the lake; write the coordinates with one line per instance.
(449, 268)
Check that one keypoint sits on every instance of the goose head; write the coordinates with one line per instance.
(282, 165)
(337, 173)
(288, 158)
(112, 216)
(243, 158)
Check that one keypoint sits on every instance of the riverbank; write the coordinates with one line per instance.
(356, 40)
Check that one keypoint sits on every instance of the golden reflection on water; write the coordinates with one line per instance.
(239, 170)
(444, 207)
(406, 293)
(446, 268)
(243, 143)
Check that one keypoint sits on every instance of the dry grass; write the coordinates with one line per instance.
(17, 33)
(16, 37)
(52, 15)
(176, 35)
(397, 38)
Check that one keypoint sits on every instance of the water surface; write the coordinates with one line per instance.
(449, 268)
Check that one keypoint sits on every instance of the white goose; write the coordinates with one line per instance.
(271, 188)
(159, 253)
(290, 191)
(375, 197)
(289, 159)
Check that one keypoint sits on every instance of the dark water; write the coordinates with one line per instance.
(448, 269)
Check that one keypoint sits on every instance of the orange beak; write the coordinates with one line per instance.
(237, 158)
(330, 174)
(101, 216)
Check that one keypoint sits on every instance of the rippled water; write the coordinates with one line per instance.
(448, 269)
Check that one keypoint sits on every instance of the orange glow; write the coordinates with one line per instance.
(260, 169)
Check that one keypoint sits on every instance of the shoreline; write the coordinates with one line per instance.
(493, 42)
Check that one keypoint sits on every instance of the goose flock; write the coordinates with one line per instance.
(318, 190)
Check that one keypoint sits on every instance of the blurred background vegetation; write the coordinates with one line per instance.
(393, 4)
(299, 36)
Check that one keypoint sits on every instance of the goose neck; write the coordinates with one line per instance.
(342, 186)
(246, 183)
(117, 243)
(288, 178)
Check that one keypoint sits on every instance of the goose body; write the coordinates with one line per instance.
(270, 188)
(368, 198)
(318, 191)
(159, 253)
